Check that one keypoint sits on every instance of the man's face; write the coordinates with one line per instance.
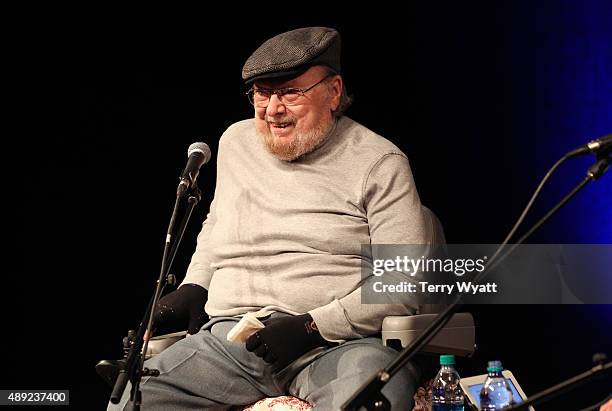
(292, 130)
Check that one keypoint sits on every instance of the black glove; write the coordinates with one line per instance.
(181, 309)
(285, 339)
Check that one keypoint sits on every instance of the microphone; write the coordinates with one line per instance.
(598, 146)
(198, 154)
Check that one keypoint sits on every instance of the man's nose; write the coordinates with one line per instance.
(275, 106)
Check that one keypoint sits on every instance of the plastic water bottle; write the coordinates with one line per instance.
(447, 393)
(495, 393)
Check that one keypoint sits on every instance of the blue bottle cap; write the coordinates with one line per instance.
(495, 366)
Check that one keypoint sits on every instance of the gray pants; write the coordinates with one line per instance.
(205, 371)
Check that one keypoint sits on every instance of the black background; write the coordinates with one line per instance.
(113, 104)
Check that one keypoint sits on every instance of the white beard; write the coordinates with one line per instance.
(301, 144)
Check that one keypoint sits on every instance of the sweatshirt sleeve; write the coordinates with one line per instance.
(395, 216)
(199, 270)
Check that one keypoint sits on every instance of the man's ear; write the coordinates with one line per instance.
(336, 84)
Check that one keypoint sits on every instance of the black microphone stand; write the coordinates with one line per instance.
(598, 371)
(369, 394)
(134, 369)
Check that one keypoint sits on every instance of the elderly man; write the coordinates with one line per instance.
(299, 189)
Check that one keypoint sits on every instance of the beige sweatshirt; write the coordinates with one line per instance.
(286, 236)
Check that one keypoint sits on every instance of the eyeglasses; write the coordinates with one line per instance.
(291, 96)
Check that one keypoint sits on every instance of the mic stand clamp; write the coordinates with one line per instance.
(601, 166)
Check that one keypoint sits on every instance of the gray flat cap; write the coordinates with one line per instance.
(292, 53)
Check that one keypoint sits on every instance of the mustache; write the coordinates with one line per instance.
(280, 120)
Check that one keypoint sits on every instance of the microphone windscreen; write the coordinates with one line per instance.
(200, 148)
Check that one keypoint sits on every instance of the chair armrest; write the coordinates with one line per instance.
(458, 336)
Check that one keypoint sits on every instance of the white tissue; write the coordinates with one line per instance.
(247, 325)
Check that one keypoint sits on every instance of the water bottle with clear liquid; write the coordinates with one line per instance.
(495, 393)
(446, 391)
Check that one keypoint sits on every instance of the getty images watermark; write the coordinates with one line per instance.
(531, 274)
(426, 265)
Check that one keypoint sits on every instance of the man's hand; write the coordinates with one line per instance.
(285, 339)
(181, 309)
